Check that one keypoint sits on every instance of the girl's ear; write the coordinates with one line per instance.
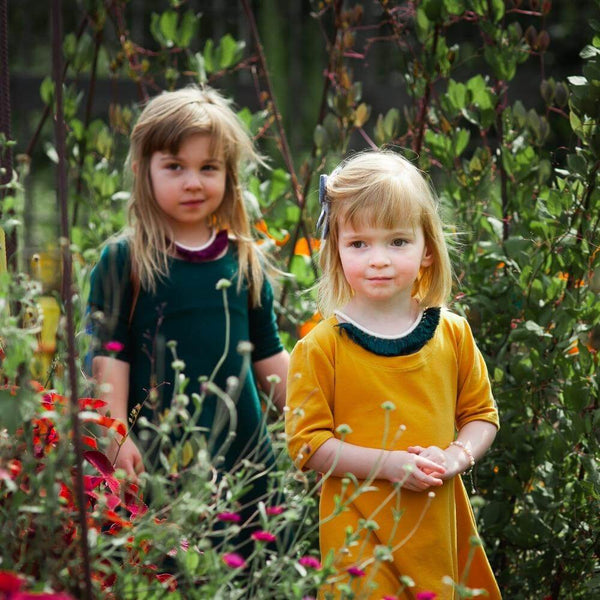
(134, 167)
(427, 259)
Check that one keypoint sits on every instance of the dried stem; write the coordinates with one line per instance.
(67, 293)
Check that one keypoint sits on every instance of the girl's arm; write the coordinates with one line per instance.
(273, 365)
(394, 465)
(112, 378)
(474, 440)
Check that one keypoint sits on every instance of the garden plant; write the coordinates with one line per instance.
(518, 178)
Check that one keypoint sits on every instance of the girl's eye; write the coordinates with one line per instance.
(357, 244)
(398, 242)
(173, 166)
(210, 168)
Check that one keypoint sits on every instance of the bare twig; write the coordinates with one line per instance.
(67, 292)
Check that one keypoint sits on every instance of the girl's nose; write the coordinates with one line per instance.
(379, 258)
(193, 180)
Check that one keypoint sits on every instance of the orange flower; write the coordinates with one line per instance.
(302, 248)
(573, 349)
(263, 228)
(305, 327)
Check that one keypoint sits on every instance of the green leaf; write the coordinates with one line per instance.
(457, 94)
(577, 80)
(460, 140)
(301, 269)
(321, 138)
(434, 9)
(47, 90)
(209, 56)
(198, 64)
(187, 454)
(455, 7)
(391, 123)
(168, 27)
(536, 329)
(229, 52)
(481, 95)
(589, 52)
(187, 29)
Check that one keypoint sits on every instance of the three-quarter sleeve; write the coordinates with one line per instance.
(475, 401)
(309, 418)
(262, 323)
(110, 300)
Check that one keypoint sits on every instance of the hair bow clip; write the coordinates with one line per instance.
(323, 220)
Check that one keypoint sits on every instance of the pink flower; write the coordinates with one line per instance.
(113, 346)
(426, 596)
(355, 572)
(263, 536)
(11, 584)
(310, 561)
(234, 560)
(275, 510)
(229, 517)
(390, 598)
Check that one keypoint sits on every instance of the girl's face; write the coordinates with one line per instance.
(381, 265)
(189, 187)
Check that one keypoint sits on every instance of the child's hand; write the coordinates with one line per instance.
(415, 472)
(128, 458)
(434, 453)
(446, 459)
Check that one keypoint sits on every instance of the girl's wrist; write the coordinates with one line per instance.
(463, 454)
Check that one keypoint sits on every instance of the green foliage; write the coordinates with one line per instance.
(518, 181)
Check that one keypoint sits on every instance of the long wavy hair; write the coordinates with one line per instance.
(382, 189)
(164, 124)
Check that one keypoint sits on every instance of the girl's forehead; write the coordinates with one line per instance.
(384, 217)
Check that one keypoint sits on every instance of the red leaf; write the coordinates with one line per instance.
(111, 515)
(91, 403)
(113, 484)
(112, 501)
(100, 461)
(36, 385)
(168, 580)
(109, 423)
(90, 441)
(91, 482)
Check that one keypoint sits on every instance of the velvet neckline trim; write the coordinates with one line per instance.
(401, 346)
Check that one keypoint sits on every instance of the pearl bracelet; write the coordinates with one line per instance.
(466, 450)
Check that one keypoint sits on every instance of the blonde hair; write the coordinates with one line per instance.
(164, 124)
(382, 189)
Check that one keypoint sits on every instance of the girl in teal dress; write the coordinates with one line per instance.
(187, 273)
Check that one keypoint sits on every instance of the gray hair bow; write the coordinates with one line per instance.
(323, 220)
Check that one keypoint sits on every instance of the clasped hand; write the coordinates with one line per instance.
(419, 468)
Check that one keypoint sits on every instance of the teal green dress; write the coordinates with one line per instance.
(189, 309)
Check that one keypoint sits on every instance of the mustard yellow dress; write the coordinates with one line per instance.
(392, 402)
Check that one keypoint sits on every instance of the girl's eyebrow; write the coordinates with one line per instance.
(167, 156)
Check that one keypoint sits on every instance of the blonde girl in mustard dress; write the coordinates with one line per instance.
(389, 396)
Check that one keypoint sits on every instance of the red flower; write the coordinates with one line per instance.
(10, 583)
(426, 596)
(355, 572)
(234, 560)
(263, 536)
(310, 561)
(114, 346)
(10, 588)
(275, 510)
(229, 517)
